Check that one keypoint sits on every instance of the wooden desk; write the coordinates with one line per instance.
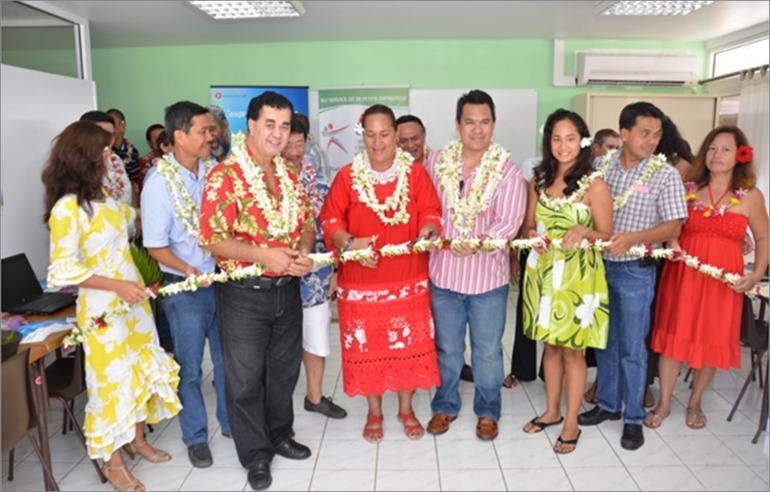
(38, 350)
(37, 353)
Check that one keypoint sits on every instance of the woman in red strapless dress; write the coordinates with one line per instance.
(698, 318)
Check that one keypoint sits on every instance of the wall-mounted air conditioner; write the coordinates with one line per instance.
(672, 69)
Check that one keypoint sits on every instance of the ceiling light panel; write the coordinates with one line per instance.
(251, 10)
(649, 8)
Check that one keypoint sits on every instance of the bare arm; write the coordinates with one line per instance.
(758, 225)
(274, 259)
(529, 226)
(338, 241)
(661, 233)
(129, 291)
(600, 201)
(166, 257)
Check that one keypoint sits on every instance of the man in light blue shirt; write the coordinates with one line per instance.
(171, 199)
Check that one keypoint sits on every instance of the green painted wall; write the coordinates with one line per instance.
(142, 81)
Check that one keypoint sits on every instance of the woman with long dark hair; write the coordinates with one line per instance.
(566, 303)
(130, 379)
(697, 318)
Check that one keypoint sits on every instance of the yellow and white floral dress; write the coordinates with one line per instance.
(129, 377)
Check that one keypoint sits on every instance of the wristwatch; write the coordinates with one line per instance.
(348, 244)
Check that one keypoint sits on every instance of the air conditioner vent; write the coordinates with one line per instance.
(660, 69)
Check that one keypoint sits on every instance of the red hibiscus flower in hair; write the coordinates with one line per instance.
(745, 154)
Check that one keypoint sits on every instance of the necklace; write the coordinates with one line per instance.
(575, 198)
(711, 196)
(311, 187)
(465, 210)
(619, 201)
(184, 206)
(281, 215)
(714, 209)
(363, 183)
(113, 182)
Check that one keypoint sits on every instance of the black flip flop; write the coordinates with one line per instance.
(542, 425)
(568, 443)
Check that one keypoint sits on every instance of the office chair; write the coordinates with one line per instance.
(757, 336)
(19, 413)
(66, 379)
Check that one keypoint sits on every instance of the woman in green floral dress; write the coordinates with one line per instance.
(565, 293)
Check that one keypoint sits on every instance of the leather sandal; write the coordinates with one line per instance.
(371, 433)
(590, 395)
(486, 428)
(412, 431)
(695, 419)
(511, 381)
(439, 423)
(127, 482)
(152, 454)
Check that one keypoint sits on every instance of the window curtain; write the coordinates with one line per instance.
(754, 120)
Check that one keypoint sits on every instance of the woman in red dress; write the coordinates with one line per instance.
(697, 318)
(386, 327)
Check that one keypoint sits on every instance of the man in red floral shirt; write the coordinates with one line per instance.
(255, 215)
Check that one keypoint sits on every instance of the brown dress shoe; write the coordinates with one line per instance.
(439, 423)
(486, 428)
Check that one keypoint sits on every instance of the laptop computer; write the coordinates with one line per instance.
(22, 293)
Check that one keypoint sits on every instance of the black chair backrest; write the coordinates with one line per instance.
(18, 410)
(66, 376)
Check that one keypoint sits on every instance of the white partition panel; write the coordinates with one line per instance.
(36, 107)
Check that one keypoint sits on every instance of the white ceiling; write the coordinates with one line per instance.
(116, 23)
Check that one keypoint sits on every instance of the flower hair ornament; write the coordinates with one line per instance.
(744, 154)
(586, 142)
(360, 126)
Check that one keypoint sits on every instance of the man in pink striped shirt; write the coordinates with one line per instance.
(483, 196)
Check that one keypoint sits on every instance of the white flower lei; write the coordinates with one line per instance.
(281, 217)
(575, 197)
(619, 201)
(185, 207)
(465, 210)
(362, 183)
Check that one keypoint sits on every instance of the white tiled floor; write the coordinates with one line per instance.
(674, 457)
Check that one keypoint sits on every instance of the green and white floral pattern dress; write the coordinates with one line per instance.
(565, 292)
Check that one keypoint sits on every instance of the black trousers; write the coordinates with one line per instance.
(524, 351)
(261, 335)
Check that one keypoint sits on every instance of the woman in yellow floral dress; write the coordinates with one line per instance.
(130, 379)
(565, 292)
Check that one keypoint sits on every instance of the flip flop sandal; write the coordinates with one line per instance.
(540, 426)
(511, 381)
(695, 420)
(654, 420)
(571, 442)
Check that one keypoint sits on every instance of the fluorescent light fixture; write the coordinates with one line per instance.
(250, 10)
(648, 7)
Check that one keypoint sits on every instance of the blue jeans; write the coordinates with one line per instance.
(621, 368)
(192, 318)
(485, 316)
